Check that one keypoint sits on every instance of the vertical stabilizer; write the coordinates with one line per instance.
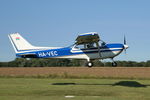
(19, 43)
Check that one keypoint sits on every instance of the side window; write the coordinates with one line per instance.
(91, 45)
(80, 46)
(86, 46)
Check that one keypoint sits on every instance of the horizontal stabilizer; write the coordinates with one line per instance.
(27, 55)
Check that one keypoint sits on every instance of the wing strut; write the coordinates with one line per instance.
(99, 51)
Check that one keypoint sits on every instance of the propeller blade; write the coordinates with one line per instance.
(125, 40)
(125, 45)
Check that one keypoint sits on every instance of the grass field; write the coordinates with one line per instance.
(80, 89)
(75, 83)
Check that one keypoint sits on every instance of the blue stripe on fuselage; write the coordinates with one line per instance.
(114, 45)
(67, 51)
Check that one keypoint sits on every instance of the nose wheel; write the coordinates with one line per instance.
(114, 64)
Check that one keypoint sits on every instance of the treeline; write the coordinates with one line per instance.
(21, 62)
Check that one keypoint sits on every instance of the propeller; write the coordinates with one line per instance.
(125, 40)
(125, 45)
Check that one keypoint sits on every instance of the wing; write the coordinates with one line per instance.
(87, 38)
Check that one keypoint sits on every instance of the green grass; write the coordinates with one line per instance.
(82, 89)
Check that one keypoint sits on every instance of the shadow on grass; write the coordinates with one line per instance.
(129, 84)
(120, 83)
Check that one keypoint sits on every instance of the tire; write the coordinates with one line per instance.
(89, 64)
(114, 64)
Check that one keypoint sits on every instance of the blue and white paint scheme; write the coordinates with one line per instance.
(88, 46)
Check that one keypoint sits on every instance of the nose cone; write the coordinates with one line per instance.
(126, 46)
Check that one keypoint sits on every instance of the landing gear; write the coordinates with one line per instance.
(90, 64)
(114, 64)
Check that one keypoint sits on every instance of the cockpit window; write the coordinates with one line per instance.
(79, 46)
(90, 45)
(86, 46)
(102, 43)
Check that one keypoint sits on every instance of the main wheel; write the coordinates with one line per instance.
(89, 64)
(114, 64)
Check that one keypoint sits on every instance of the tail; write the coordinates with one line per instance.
(19, 43)
(22, 45)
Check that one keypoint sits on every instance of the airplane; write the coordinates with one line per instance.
(87, 46)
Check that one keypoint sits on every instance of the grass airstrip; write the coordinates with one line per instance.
(73, 89)
(75, 83)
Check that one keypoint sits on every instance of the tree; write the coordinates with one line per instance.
(34, 62)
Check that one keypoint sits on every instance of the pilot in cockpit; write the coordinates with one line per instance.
(90, 45)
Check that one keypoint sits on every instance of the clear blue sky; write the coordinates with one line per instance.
(58, 22)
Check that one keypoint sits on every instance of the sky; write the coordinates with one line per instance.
(58, 23)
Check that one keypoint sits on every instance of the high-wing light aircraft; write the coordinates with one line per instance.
(87, 46)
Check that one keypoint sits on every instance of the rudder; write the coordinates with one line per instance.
(19, 43)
